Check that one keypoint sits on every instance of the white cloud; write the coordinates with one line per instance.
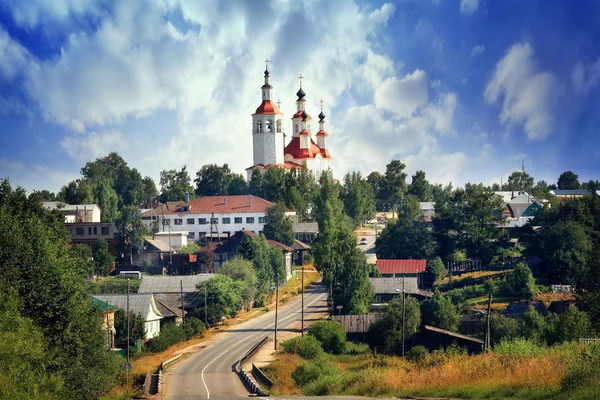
(93, 145)
(30, 14)
(468, 6)
(404, 96)
(585, 77)
(436, 84)
(529, 95)
(34, 177)
(13, 56)
(477, 50)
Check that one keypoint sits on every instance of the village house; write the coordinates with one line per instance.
(139, 304)
(306, 231)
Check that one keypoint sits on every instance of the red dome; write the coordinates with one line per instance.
(267, 107)
(299, 115)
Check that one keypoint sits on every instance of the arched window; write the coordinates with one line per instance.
(269, 126)
(297, 128)
(278, 125)
(259, 127)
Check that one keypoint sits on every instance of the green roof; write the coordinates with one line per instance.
(103, 305)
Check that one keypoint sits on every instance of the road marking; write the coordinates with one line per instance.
(264, 329)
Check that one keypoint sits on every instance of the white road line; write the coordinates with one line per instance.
(243, 340)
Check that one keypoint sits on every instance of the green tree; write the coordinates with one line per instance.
(358, 197)
(150, 191)
(376, 180)
(47, 195)
(330, 334)
(47, 281)
(237, 185)
(503, 328)
(130, 233)
(256, 184)
(573, 325)
(532, 326)
(242, 270)
(440, 312)
(279, 226)
(568, 180)
(137, 328)
(301, 189)
(225, 296)
(174, 184)
(420, 187)
(436, 269)
(519, 181)
(190, 248)
(103, 260)
(274, 185)
(108, 201)
(213, 180)
(394, 184)
(388, 330)
(79, 191)
(521, 281)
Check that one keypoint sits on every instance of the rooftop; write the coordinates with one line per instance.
(172, 284)
(140, 304)
(401, 266)
(222, 205)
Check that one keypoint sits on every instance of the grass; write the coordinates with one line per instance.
(509, 373)
(469, 278)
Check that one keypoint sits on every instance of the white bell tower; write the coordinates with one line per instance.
(267, 129)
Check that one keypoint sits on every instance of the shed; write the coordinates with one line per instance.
(388, 288)
(434, 338)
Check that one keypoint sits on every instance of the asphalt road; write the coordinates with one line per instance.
(209, 373)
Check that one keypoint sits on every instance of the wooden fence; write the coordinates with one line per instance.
(357, 323)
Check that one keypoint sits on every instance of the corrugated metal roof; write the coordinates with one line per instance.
(172, 284)
(392, 285)
(164, 247)
(140, 304)
(427, 205)
(401, 266)
(298, 245)
(223, 204)
(306, 227)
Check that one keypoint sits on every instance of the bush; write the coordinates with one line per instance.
(307, 347)
(310, 371)
(192, 326)
(328, 384)
(585, 370)
(521, 281)
(169, 335)
(331, 334)
(522, 347)
(417, 353)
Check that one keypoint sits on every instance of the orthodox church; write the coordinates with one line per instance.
(269, 140)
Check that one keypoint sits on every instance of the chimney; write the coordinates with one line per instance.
(187, 197)
(224, 200)
(250, 200)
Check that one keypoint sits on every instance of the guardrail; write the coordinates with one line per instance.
(160, 371)
(252, 386)
(261, 377)
(251, 352)
(147, 383)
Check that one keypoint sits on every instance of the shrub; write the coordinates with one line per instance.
(310, 371)
(440, 312)
(169, 335)
(307, 347)
(417, 353)
(326, 384)
(331, 334)
(192, 326)
(519, 346)
(585, 370)
(521, 281)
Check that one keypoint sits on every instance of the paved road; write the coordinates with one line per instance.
(209, 373)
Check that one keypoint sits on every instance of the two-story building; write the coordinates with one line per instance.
(216, 217)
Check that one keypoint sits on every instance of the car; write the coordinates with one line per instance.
(363, 240)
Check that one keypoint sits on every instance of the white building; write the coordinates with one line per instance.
(75, 212)
(268, 137)
(140, 304)
(216, 216)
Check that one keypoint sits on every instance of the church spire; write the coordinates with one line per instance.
(301, 94)
(267, 88)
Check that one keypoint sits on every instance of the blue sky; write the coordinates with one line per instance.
(464, 90)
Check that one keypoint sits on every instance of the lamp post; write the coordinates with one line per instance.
(302, 299)
(276, 306)
(403, 313)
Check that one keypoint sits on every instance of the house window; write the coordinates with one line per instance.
(95, 230)
(224, 257)
(79, 231)
(89, 230)
(191, 235)
(178, 221)
(249, 220)
(214, 220)
(201, 235)
(226, 220)
(217, 256)
(262, 220)
(237, 220)
(104, 230)
(201, 221)
(166, 221)
(190, 221)
(378, 299)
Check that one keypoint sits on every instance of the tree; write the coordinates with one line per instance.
(519, 181)
(573, 325)
(84, 253)
(440, 312)
(137, 328)
(108, 201)
(79, 191)
(150, 191)
(256, 184)
(521, 281)
(190, 248)
(568, 180)
(420, 187)
(436, 269)
(103, 260)
(358, 197)
(503, 328)
(330, 334)
(388, 330)
(225, 296)
(301, 190)
(279, 226)
(174, 185)
(48, 298)
(394, 184)
(130, 233)
(213, 180)
(532, 326)
(274, 185)
(242, 270)
(47, 195)
(237, 185)
(375, 179)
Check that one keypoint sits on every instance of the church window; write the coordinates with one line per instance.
(297, 128)
(278, 125)
(259, 127)
(269, 127)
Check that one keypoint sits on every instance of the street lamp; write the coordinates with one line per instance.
(403, 314)
(276, 306)
(302, 299)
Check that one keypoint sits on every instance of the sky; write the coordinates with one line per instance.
(466, 90)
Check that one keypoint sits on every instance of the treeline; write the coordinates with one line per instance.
(51, 342)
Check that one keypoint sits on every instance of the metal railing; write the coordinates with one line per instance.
(261, 377)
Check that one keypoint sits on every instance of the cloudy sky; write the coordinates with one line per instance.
(465, 90)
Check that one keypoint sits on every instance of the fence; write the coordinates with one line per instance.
(357, 323)
(464, 266)
(561, 288)
(589, 342)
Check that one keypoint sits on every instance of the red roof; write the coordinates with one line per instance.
(294, 149)
(401, 266)
(223, 204)
(322, 133)
(267, 107)
(299, 115)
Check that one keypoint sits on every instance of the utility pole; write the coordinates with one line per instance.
(127, 378)
(205, 303)
(487, 326)
(108, 334)
(182, 309)
(302, 299)
(403, 316)
(276, 306)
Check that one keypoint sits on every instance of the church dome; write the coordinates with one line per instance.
(300, 94)
(321, 116)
